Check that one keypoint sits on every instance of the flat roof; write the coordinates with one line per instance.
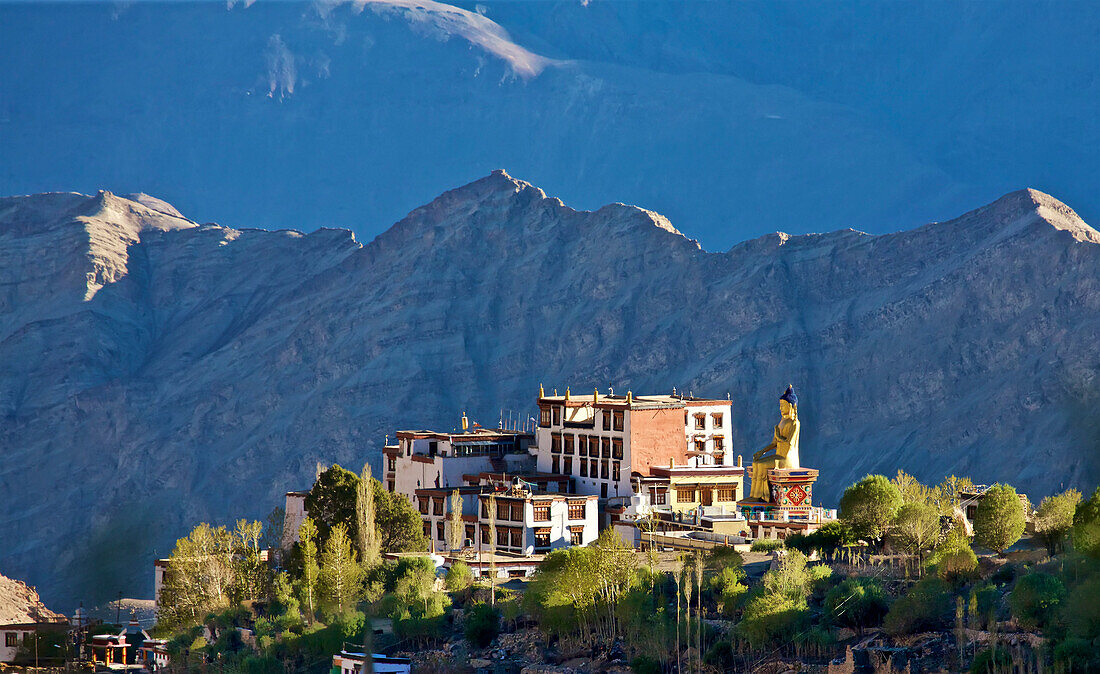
(638, 401)
(461, 436)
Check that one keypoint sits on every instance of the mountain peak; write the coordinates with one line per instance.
(1028, 206)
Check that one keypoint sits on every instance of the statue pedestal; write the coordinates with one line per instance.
(791, 497)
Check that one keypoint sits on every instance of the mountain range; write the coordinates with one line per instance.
(732, 118)
(158, 372)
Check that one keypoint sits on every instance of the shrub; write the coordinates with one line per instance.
(831, 537)
(459, 577)
(730, 589)
(1076, 656)
(953, 559)
(927, 606)
(800, 542)
(991, 662)
(1035, 599)
(984, 601)
(857, 603)
(720, 656)
(772, 618)
(1081, 609)
(482, 625)
(766, 545)
(869, 506)
(643, 664)
(999, 519)
(1086, 525)
(1054, 519)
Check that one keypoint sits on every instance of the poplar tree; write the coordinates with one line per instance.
(456, 534)
(341, 577)
(365, 516)
(249, 569)
(199, 577)
(307, 536)
(999, 518)
(493, 550)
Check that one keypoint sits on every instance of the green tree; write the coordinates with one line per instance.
(831, 537)
(857, 603)
(399, 525)
(311, 571)
(332, 500)
(1035, 599)
(199, 577)
(341, 577)
(911, 490)
(999, 519)
(869, 506)
(251, 573)
(916, 527)
(366, 528)
(1086, 525)
(1054, 519)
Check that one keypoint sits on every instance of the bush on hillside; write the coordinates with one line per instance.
(927, 606)
(1035, 599)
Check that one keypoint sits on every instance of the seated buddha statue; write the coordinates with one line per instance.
(781, 452)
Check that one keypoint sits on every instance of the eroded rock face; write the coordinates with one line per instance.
(20, 604)
(158, 373)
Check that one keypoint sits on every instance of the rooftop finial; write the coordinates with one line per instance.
(629, 397)
(566, 394)
(466, 422)
(542, 392)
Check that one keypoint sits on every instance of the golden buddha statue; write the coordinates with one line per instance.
(782, 452)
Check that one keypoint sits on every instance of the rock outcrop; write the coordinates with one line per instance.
(157, 372)
(20, 604)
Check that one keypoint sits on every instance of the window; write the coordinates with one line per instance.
(568, 467)
(700, 422)
(593, 445)
(701, 446)
(606, 414)
(391, 463)
(593, 468)
(725, 493)
(618, 421)
(582, 448)
(517, 537)
(603, 490)
(617, 448)
(658, 496)
(517, 512)
(576, 510)
(11, 639)
(484, 509)
(607, 447)
(716, 419)
(568, 443)
(971, 512)
(576, 535)
(423, 505)
(685, 494)
(427, 530)
(544, 416)
(554, 463)
(719, 443)
(502, 536)
(542, 538)
(439, 530)
(503, 510)
(542, 513)
(555, 443)
(437, 506)
(433, 447)
(557, 416)
(485, 540)
(615, 471)
(389, 485)
(604, 472)
(584, 467)
(469, 532)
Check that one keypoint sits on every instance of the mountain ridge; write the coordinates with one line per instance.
(224, 363)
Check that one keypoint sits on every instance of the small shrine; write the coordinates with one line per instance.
(781, 499)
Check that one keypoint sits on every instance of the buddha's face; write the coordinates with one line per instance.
(785, 409)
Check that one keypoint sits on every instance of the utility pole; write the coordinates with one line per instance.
(118, 609)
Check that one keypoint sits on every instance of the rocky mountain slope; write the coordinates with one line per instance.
(21, 604)
(157, 372)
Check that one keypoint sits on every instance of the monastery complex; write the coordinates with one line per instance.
(660, 469)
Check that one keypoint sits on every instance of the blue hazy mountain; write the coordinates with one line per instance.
(733, 118)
